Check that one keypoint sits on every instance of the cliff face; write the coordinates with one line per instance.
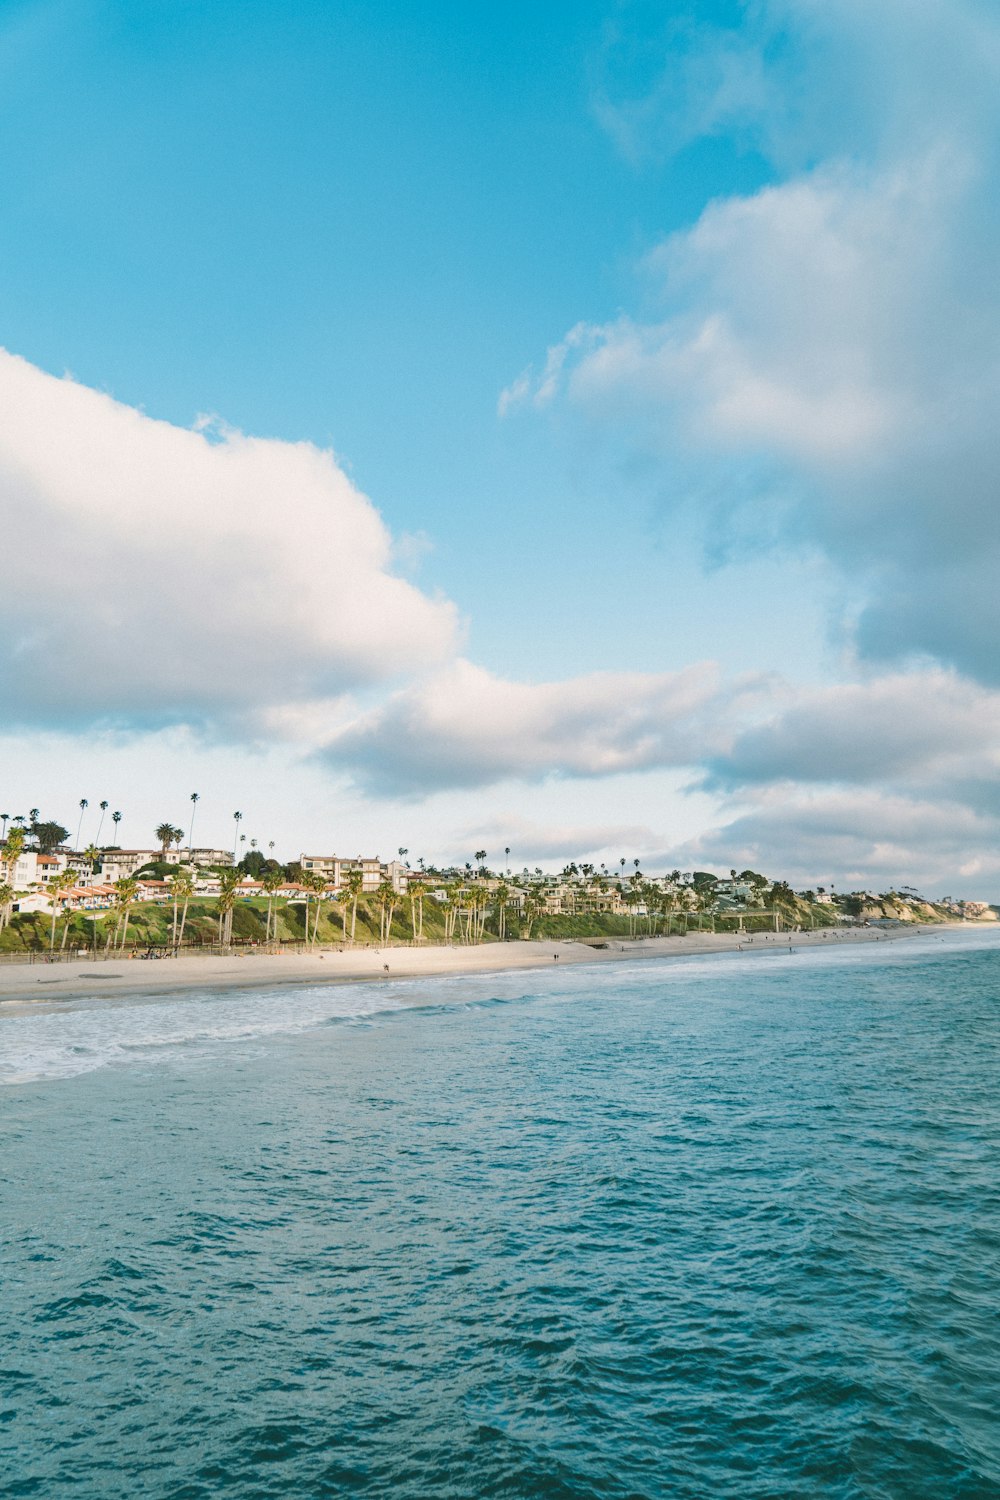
(895, 909)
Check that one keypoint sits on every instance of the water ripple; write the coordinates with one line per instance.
(687, 1231)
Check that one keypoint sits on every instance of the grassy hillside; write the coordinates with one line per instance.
(150, 924)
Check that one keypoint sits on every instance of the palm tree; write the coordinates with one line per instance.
(507, 857)
(236, 819)
(181, 889)
(481, 860)
(4, 819)
(315, 885)
(13, 848)
(84, 804)
(165, 834)
(116, 818)
(478, 899)
(416, 891)
(228, 882)
(104, 807)
(93, 855)
(503, 896)
(387, 897)
(125, 893)
(402, 853)
(194, 799)
(354, 885)
(705, 902)
(451, 910)
(533, 909)
(63, 882)
(272, 883)
(7, 894)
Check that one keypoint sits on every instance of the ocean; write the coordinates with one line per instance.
(697, 1228)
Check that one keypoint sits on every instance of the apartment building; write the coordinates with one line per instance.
(335, 870)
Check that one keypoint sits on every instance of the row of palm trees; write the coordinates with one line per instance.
(19, 821)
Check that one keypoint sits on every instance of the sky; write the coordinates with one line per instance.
(564, 428)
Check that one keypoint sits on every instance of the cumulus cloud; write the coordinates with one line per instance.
(833, 338)
(466, 727)
(857, 837)
(158, 575)
(923, 727)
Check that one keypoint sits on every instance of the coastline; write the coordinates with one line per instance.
(73, 980)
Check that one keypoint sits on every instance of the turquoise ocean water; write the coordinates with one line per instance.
(721, 1227)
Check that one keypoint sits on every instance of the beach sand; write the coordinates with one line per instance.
(71, 979)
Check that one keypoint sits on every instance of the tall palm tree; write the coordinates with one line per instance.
(416, 891)
(13, 848)
(315, 885)
(236, 836)
(55, 891)
(533, 909)
(4, 819)
(354, 885)
(507, 857)
(84, 804)
(116, 818)
(195, 799)
(165, 834)
(272, 883)
(7, 894)
(502, 897)
(126, 891)
(481, 860)
(228, 882)
(93, 856)
(387, 898)
(181, 890)
(104, 807)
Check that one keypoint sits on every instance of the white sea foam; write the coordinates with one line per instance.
(79, 1037)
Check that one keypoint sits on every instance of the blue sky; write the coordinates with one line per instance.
(664, 232)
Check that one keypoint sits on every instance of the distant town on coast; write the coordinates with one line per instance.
(59, 894)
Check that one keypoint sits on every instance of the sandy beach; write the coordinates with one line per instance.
(69, 980)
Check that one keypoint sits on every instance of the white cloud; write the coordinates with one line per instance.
(828, 345)
(466, 727)
(920, 727)
(856, 838)
(157, 575)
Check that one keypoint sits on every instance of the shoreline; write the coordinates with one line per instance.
(106, 979)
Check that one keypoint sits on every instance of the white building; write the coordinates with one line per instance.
(335, 870)
(34, 869)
